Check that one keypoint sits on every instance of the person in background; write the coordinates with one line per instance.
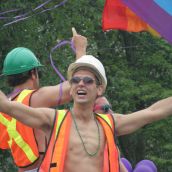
(21, 66)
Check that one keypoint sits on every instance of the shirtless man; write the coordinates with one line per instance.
(81, 140)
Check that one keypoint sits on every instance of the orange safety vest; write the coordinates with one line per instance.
(18, 137)
(55, 155)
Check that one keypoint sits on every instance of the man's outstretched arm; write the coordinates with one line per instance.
(126, 124)
(41, 118)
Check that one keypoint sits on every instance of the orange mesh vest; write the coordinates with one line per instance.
(55, 155)
(18, 137)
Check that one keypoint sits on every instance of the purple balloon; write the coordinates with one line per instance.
(143, 168)
(149, 164)
(127, 164)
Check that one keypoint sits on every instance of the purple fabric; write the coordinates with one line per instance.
(14, 93)
(15, 21)
(56, 6)
(165, 5)
(4, 18)
(127, 164)
(26, 15)
(62, 43)
(58, 45)
(149, 164)
(152, 14)
(41, 5)
(9, 11)
(143, 168)
(20, 16)
(60, 94)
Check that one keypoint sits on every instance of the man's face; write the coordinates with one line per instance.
(84, 88)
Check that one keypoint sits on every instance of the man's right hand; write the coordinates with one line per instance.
(80, 43)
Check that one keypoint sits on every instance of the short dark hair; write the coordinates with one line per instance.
(17, 79)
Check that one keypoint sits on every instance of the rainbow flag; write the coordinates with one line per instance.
(154, 16)
(157, 13)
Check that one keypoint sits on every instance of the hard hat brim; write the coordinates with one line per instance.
(18, 71)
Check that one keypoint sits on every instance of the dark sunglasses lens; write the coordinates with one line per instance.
(75, 80)
(88, 80)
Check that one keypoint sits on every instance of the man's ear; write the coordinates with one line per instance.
(100, 90)
(34, 74)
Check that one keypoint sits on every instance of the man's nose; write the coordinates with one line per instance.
(81, 82)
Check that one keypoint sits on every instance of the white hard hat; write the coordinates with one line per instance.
(90, 62)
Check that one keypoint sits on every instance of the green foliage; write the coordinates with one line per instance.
(6, 162)
(138, 66)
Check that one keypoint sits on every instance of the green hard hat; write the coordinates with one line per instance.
(20, 60)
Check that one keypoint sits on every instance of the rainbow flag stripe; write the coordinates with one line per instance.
(116, 15)
(154, 16)
(157, 13)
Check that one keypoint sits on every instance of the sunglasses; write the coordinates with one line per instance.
(86, 80)
(104, 108)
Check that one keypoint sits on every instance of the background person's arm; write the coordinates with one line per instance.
(49, 96)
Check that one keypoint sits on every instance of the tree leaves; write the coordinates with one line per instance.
(138, 66)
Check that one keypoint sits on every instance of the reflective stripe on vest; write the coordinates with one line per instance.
(14, 134)
(61, 115)
(107, 119)
(55, 163)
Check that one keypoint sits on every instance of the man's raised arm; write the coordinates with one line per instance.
(49, 96)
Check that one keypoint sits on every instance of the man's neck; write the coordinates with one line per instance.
(17, 89)
(26, 85)
(83, 112)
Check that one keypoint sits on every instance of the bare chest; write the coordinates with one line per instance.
(86, 148)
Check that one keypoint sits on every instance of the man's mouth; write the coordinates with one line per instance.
(81, 92)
